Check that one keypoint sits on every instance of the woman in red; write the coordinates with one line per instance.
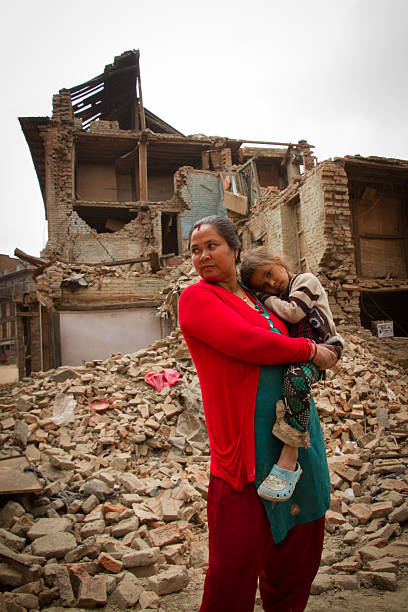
(239, 348)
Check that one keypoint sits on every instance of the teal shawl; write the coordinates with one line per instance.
(311, 498)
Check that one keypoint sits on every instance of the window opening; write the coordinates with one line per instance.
(169, 233)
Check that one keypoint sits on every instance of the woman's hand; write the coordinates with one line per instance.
(326, 357)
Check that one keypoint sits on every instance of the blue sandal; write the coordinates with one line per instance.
(279, 485)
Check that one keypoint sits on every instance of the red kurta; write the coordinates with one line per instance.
(228, 341)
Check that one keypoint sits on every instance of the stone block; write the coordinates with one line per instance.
(45, 526)
(149, 600)
(350, 564)
(399, 550)
(127, 592)
(90, 549)
(386, 564)
(20, 601)
(399, 515)
(321, 583)
(361, 512)
(64, 586)
(198, 554)
(92, 528)
(168, 534)
(56, 545)
(89, 504)
(92, 592)
(9, 511)
(345, 582)
(173, 554)
(371, 553)
(110, 563)
(335, 518)
(10, 576)
(381, 509)
(11, 540)
(125, 526)
(170, 581)
(139, 558)
(144, 571)
(385, 581)
(345, 472)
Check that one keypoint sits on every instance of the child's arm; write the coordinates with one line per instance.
(304, 293)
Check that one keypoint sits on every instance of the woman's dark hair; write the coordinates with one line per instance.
(257, 258)
(224, 227)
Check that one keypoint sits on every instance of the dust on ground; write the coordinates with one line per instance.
(361, 600)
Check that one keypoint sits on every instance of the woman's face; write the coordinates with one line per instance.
(270, 278)
(211, 255)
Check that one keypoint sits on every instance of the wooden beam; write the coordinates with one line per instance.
(14, 479)
(35, 261)
(282, 144)
(143, 193)
(382, 289)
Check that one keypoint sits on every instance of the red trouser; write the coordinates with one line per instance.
(241, 549)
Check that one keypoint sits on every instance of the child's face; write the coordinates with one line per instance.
(270, 278)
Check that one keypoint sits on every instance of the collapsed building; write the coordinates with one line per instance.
(120, 517)
(121, 188)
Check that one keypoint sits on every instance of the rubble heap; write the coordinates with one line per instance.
(121, 515)
(123, 470)
(363, 411)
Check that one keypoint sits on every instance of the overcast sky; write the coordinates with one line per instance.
(331, 72)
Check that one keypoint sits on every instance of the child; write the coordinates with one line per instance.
(301, 301)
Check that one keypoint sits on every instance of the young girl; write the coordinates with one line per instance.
(301, 301)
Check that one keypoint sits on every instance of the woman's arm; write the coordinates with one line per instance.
(206, 317)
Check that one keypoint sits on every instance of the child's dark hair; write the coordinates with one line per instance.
(257, 258)
(224, 226)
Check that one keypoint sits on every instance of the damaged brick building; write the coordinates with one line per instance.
(121, 188)
(346, 220)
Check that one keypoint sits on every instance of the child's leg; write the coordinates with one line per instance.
(292, 419)
(291, 427)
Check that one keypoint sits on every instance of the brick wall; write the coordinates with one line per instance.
(321, 198)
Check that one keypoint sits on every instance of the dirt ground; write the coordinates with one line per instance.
(362, 600)
(8, 374)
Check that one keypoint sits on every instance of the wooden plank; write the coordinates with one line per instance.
(143, 195)
(236, 203)
(382, 258)
(13, 478)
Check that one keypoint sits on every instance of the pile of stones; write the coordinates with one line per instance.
(119, 519)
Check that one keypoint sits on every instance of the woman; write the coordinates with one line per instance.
(238, 348)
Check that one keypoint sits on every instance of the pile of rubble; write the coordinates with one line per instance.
(363, 411)
(122, 469)
(122, 513)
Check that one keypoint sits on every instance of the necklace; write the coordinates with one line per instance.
(259, 306)
(245, 299)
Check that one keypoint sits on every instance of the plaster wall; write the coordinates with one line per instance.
(96, 183)
(96, 335)
(160, 186)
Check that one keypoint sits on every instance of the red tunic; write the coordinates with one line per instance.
(228, 341)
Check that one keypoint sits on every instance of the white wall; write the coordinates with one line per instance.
(96, 335)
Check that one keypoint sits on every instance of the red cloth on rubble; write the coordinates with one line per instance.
(227, 337)
(159, 380)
